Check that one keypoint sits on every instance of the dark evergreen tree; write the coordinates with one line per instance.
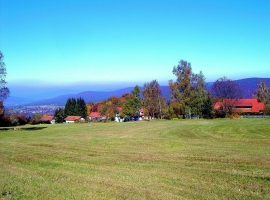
(59, 115)
(70, 107)
(136, 91)
(207, 109)
(76, 107)
(81, 109)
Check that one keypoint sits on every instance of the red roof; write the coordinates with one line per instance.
(119, 109)
(95, 114)
(141, 112)
(72, 118)
(47, 118)
(243, 105)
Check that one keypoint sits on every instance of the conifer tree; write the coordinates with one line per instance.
(81, 109)
(76, 107)
(59, 115)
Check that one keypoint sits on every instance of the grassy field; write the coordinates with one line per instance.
(181, 159)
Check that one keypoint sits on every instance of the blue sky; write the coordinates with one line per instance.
(113, 44)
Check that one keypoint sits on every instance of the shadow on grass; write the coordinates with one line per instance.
(22, 129)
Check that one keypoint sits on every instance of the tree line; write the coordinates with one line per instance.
(189, 98)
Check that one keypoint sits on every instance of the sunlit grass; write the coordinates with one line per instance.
(185, 159)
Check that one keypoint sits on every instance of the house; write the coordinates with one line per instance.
(242, 105)
(139, 116)
(73, 119)
(117, 115)
(47, 119)
(96, 116)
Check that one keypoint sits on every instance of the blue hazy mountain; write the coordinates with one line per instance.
(249, 86)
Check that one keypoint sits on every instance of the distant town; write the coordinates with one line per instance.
(31, 110)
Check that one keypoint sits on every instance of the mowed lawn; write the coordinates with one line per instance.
(180, 159)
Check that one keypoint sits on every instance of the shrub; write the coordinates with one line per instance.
(266, 109)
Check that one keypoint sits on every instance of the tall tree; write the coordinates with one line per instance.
(153, 100)
(4, 91)
(181, 89)
(59, 115)
(76, 107)
(228, 92)
(199, 95)
(262, 92)
(131, 106)
(70, 107)
(207, 108)
(136, 91)
(81, 109)
(189, 89)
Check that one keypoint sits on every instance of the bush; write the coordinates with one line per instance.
(266, 109)
(5, 121)
(234, 116)
(218, 114)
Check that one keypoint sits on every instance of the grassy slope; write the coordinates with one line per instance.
(196, 159)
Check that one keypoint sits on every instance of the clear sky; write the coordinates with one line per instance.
(107, 43)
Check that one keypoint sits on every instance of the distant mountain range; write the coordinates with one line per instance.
(249, 85)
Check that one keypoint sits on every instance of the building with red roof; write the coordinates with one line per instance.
(242, 105)
(47, 118)
(96, 116)
(73, 119)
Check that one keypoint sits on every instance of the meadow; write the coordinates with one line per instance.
(178, 159)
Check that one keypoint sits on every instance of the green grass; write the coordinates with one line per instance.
(179, 159)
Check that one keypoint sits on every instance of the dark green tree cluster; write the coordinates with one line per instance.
(132, 103)
(59, 115)
(189, 91)
(75, 107)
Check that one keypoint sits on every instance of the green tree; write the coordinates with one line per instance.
(136, 91)
(4, 91)
(189, 89)
(199, 98)
(35, 119)
(207, 108)
(131, 106)
(262, 92)
(76, 107)
(70, 107)
(107, 109)
(59, 115)
(81, 109)
(181, 89)
(153, 100)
